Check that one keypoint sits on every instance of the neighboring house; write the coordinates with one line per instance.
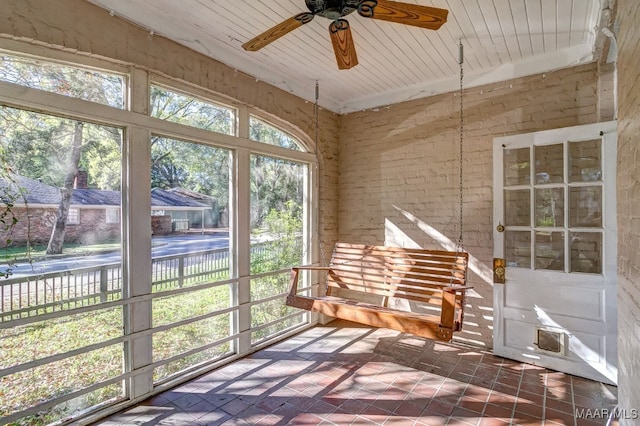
(94, 215)
(215, 217)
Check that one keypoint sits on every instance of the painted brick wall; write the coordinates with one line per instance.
(629, 207)
(399, 173)
(78, 26)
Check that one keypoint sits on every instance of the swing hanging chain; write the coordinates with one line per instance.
(461, 62)
(317, 130)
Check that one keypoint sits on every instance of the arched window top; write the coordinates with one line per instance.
(261, 131)
(91, 85)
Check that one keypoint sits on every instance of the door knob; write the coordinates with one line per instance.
(499, 270)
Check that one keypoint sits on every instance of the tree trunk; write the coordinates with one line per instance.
(56, 241)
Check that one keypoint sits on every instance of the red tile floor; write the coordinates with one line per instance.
(345, 374)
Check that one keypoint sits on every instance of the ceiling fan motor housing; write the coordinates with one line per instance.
(332, 9)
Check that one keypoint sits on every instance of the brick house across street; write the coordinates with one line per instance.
(94, 214)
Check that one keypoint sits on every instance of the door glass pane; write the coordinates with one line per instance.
(550, 207)
(585, 163)
(549, 167)
(586, 207)
(518, 249)
(586, 252)
(517, 206)
(550, 250)
(517, 167)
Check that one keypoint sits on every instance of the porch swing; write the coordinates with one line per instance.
(416, 291)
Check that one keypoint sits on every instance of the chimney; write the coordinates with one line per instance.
(80, 182)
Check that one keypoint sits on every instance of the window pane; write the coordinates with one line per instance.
(190, 220)
(517, 166)
(550, 207)
(586, 252)
(180, 339)
(549, 166)
(585, 161)
(277, 190)
(73, 216)
(58, 178)
(85, 84)
(260, 131)
(517, 206)
(274, 312)
(550, 250)
(518, 249)
(187, 110)
(586, 207)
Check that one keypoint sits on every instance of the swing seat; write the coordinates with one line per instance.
(416, 291)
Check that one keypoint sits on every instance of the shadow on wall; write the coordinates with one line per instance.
(516, 103)
(412, 232)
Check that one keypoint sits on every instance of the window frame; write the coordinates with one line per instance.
(73, 216)
(137, 126)
(110, 219)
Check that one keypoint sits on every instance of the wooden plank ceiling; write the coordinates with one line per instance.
(502, 38)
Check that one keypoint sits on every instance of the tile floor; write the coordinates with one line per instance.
(345, 374)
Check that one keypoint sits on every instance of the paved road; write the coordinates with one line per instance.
(162, 246)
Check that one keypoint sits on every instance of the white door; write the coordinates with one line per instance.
(555, 225)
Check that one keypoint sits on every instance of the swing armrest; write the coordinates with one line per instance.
(456, 288)
(293, 290)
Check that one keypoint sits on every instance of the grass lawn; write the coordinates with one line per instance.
(21, 254)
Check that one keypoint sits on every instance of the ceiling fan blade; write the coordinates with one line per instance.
(272, 34)
(416, 15)
(343, 45)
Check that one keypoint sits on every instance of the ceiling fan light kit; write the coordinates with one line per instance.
(426, 17)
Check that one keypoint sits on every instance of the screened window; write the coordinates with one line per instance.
(74, 216)
(62, 359)
(88, 85)
(180, 108)
(196, 309)
(261, 131)
(113, 215)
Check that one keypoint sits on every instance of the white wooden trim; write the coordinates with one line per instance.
(17, 96)
(136, 275)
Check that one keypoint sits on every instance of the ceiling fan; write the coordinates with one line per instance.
(386, 10)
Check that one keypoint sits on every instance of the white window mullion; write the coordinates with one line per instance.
(242, 230)
(137, 239)
(137, 243)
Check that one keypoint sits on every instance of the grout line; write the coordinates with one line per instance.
(467, 386)
(491, 386)
(544, 398)
(515, 404)
(573, 402)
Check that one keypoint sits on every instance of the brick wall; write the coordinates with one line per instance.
(628, 182)
(90, 30)
(399, 172)
(35, 225)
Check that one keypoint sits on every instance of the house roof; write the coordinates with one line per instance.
(163, 198)
(23, 189)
